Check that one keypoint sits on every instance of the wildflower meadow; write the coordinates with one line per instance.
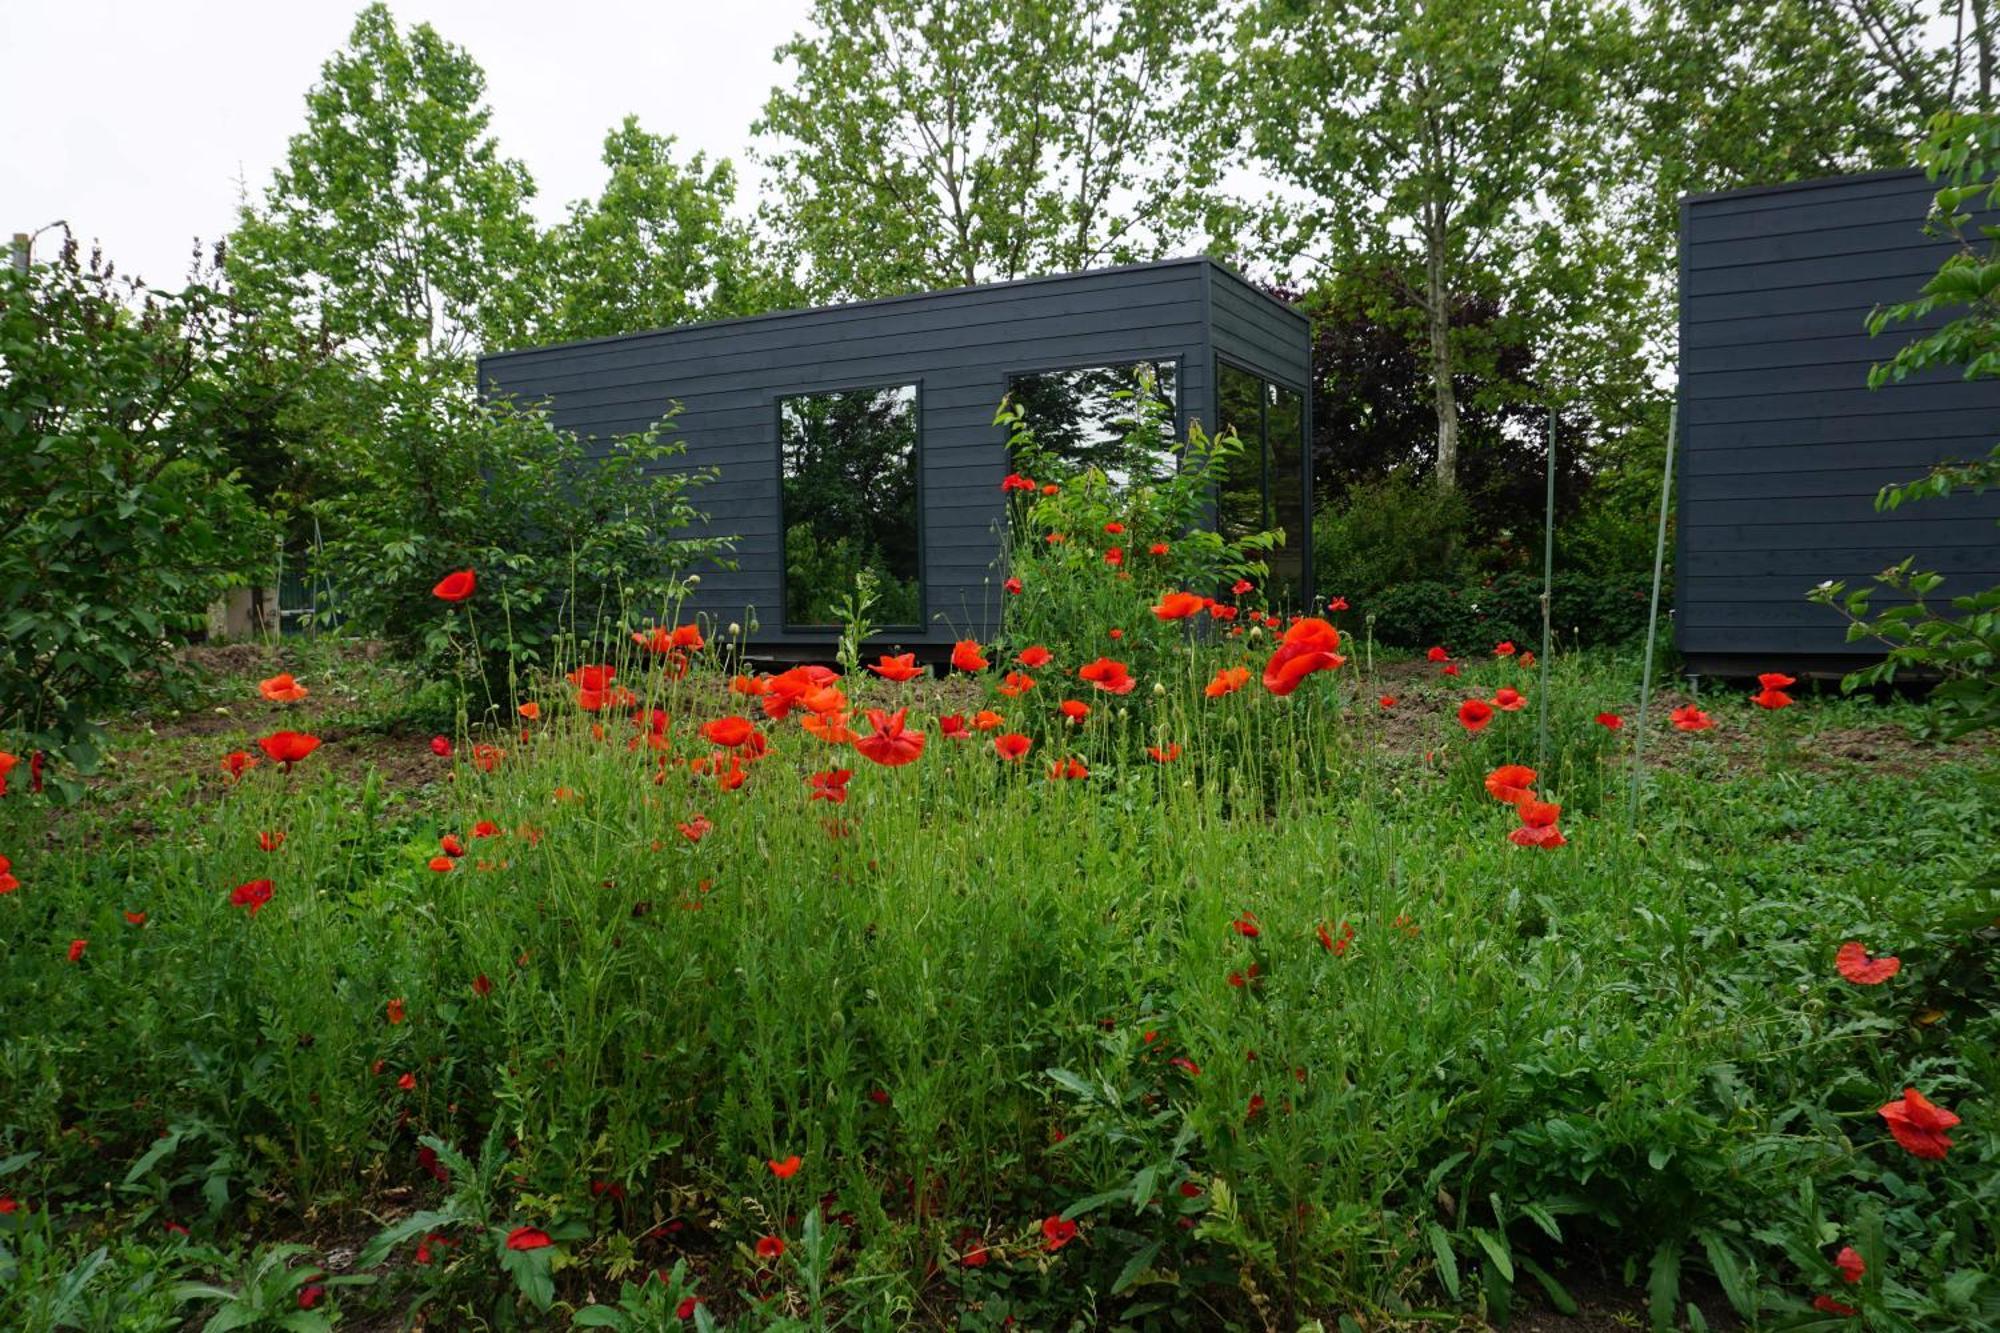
(1173, 962)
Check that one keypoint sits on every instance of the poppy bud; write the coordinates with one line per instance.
(734, 629)
(1159, 690)
(1256, 631)
(694, 580)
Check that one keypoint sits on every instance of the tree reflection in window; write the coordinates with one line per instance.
(1079, 419)
(1263, 487)
(850, 503)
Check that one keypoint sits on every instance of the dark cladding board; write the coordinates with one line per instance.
(1783, 445)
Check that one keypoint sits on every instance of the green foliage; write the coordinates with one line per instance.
(658, 247)
(1060, 545)
(1586, 610)
(122, 512)
(395, 223)
(1395, 530)
(571, 540)
(934, 145)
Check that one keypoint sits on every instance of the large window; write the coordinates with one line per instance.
(1083, 416)
(850, 504)
(1263, 487)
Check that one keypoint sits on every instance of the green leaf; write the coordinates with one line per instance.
(1663, 1286)
(1447, 1262)
(1134, 1267)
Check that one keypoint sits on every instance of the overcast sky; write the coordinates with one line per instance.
(140, 122)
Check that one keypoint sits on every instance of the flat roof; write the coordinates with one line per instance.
(800, 311)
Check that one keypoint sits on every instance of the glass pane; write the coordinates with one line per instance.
(850, 503)
(1076, 418)
(1284, 429)
(1239, 496)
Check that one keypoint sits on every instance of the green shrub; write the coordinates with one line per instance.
(123, 519)
(1394, 530)
(571, 540)
(1586, 610)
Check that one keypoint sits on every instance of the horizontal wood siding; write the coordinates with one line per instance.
(959, 347)
(1783, 445)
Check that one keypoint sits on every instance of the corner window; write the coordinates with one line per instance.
(1080, 417)
(849, 510)
(1263, 487)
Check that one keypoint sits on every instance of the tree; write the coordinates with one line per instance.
(395, 222)
(931, 143)
(123, 514)
(658, 246)
(1452, 141)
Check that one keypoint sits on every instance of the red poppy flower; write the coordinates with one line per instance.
(1919, 1125)
(1505, 648)
(1068, 770)
(728, 732)
(131, 918)
(282, 689)
(986, 720)
(1227, 680)
(830, 785)
(1689, 718)
(685, 1310)
(1221, 611)
(1012, 745)
(1164, 754)
(770, 1247)
(1337, 604)
(1771, 699)
(1035, 657)
(1511, 783)
(310, 1295)
(408, 1082)
(593, 678)
(1776, 680)
(1246, 925)
(1241, 586)
(1012, 587)
(1337, 945)
(1158, 548)
(890, 745)
(486, 828)
(1828, 1305)
(1115, 556)
(1610, 721)
(1539, 814)
(1438, 655)
(749, 685)
(786, 1169)
(487, 757)
(270, 840)
(1186, 1066)
(286, 748)
(1179, 606)
(1532, 835)
(1050, 488)
(482, 986)
(1310, 645)
(393, 1011)
(441, 747)
(7, 881)
(1451, 668)
(1853, 962)
(76, 948)
(952, 726)
(251, 896)
(1474, 714)
(1017, 684)
(695, 828)
(1387, 701)
(450, 845)
(1057, 1232)
(7, 762)
(1110, 675)
(1851, 1264)
(1074, 709)
(528, 1238)
(1014, 481)
(1115, 528)
(965, 656)
(899, 668)
(455, 587)
(1508, 700)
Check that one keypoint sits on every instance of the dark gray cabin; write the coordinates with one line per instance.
(862, 435)
(1783, 444)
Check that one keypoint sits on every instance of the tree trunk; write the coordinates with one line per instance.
(1437, 299)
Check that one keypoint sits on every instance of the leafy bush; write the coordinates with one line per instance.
(123, 519)
(571, 540)
(1398, 529)
(1586, 611)
(1091, 553)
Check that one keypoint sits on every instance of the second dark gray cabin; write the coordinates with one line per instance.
(900, 394)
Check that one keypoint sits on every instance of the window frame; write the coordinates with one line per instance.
(915, 384)
(1267, 381)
